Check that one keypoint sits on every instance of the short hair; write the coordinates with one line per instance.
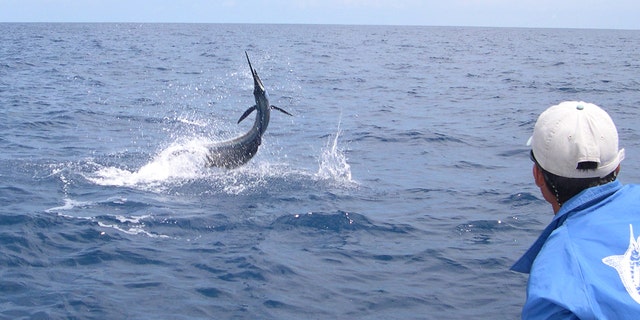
(566, 188)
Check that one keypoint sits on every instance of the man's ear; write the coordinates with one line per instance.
(538, 176)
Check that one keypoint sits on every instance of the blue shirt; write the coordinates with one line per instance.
(586, 263)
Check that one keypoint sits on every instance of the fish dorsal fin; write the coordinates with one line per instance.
(247, 113)
(281, 110)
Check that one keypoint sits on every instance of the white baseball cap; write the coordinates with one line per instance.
(573, 132)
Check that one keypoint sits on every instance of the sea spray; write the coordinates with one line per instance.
(182, 161)
(333, 162)
(182, 164)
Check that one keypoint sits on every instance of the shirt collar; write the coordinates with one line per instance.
(569, 208)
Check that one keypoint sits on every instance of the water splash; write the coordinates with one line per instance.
(182, 161)
(333, 163)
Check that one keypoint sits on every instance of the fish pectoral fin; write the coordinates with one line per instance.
(247, 113)
(281, 110)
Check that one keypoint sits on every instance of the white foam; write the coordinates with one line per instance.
(133, 219)
(134, 224)
(181, 161)
(133, 230)
(69, 204)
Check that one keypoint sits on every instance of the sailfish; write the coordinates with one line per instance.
(237, 152)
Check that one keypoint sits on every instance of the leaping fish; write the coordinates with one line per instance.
(236, 152)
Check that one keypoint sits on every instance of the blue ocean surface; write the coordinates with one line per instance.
(400, 189)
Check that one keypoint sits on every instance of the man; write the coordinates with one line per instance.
(586, 263)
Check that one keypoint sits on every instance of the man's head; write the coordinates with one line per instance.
(575, 144)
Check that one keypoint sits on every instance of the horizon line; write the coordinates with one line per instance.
(317, 24)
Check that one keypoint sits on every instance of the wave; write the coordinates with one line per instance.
(336, 222)
(69, 204)
(132, 225)
(135, 229)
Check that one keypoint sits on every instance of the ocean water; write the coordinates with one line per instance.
(400, 189)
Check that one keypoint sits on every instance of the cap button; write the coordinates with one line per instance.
(580, 107)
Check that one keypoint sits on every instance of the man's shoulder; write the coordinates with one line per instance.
(628, 193)
(631, 187)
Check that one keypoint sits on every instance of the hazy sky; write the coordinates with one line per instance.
(602, 14)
